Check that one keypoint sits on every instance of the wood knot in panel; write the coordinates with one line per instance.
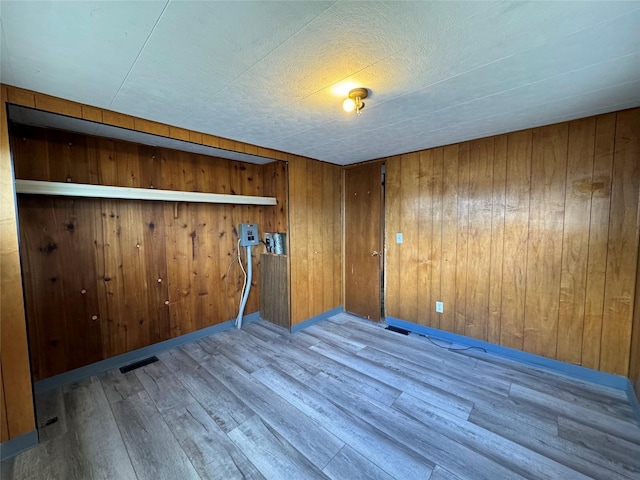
(50, 247)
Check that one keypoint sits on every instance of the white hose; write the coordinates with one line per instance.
(246, 289)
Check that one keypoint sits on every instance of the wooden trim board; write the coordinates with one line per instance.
(316, 319)
(106, 191)
(22, 443)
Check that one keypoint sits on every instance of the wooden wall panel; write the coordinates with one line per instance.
(622, 247)
(544, 246)
(435, 255)
(315, 237)
(4, 420)
(449, 236)
(496, 251)
(575, 241)
(425, 235)
(299, 213)
(274, 301)
(409, 222)
(326, 270)
(536, 234)
(514, 256)
(275, 180)
(479, 244)
(57, 234)
(462, 238)
(16, 409)
(336, 246)
(392, 209)
(634, 357)
(151, 270)
(598, 239)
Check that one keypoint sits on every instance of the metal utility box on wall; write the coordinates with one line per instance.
(248, 234)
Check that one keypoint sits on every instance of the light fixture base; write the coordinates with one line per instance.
(359, 92)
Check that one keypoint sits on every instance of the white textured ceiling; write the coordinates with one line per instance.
(275, 73)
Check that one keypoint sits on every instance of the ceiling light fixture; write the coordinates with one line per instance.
(354, 102)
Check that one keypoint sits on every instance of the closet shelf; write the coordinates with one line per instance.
(35, 187)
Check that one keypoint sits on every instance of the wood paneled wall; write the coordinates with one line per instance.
(530, 239)
(16, 402)
(634, 364)
(104, 277)
(274, 298)
(315, 237)
(276, 184)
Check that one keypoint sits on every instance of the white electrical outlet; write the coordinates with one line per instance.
(398, 238)
(440, 307)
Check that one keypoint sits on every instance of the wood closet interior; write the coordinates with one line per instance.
(106, 276)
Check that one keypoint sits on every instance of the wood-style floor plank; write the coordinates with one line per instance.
(597, 419)
(118, 386)
(343, 399)
(213, 454)
(271, 454)
(503, 451)
(52, 459)
(280, 415)
(620, 451)
(224, 407)
(573, 455)
(423, 439)
(525, 374)
(90, 448)
(350, 464)
(394, 458)
(437, 397)
(163, 387)
(92, 421)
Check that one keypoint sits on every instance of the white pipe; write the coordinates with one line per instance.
(247, 288)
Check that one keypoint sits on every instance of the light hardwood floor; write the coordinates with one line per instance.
(344, 399)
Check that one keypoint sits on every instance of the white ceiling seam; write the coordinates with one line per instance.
(133, 64)
(260, 60)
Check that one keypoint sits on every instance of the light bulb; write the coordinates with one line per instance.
(349, 105)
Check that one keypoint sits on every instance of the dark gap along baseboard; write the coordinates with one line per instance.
(397, 330)
(138, 364)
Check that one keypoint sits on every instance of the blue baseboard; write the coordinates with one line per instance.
(135, 355)
(318, 318)
(17, 445)
(633, 400)
(608, 379)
